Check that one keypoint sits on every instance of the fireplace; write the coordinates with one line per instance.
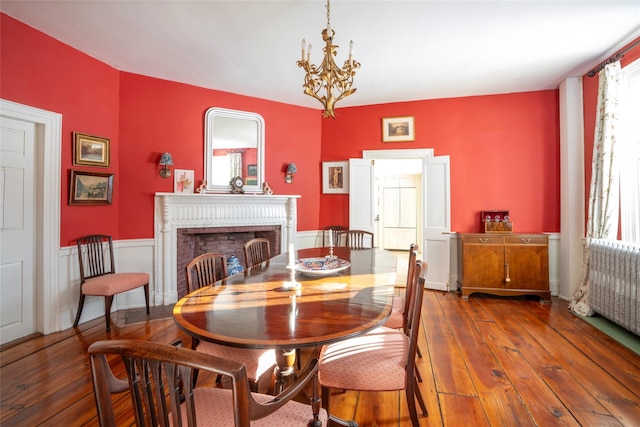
(186, 225)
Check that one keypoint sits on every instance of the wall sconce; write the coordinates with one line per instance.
(291, 169)
(165, 162)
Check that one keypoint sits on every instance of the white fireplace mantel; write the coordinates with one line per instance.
(173, 211)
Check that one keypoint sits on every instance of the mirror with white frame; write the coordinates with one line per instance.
(233, 146)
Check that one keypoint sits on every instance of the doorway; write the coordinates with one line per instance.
(45, 226)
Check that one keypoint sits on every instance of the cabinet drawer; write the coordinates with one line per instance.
(482, 239)
(526, 239)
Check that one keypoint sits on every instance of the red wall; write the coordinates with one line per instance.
(40, 71)
(143, 117)
(504, 149)
(504, 153)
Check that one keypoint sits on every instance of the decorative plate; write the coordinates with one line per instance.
(321, 266)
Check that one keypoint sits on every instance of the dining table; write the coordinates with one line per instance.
(330, 294)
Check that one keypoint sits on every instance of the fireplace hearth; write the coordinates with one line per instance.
(186, 225)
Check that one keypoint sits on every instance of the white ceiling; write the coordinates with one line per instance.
(409, 50)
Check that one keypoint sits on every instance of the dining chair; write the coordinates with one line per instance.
(381, 360)
(206, 269)
(158, 378)
(355, 239)
(257, 251)
(400, 306)
(98, 274)
(333, 229)
(209, 268)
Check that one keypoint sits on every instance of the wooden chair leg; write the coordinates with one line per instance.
(146, 297)
(108, 300)
(80, 307)
(418, 397)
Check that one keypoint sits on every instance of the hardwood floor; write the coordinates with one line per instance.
(486, 361)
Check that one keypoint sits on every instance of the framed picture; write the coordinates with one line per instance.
(250, 181)
(398, 129)
(252, 170)
(90, 150)
(90, 188)
(182, 181)
(335, 177)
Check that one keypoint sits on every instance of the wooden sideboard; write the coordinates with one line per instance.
(504, 264)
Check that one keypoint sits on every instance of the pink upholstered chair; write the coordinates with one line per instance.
(400, 309)
(209, 268)
(381, 360)
(99, 278)
(158, 376)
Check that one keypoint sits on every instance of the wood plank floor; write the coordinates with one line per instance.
(486, 362)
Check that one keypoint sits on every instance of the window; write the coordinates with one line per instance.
(629, 154)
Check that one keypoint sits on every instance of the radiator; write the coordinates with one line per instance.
(614, 277)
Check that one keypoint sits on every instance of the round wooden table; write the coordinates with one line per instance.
(255, 310)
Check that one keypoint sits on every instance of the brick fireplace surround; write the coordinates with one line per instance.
(187, 225)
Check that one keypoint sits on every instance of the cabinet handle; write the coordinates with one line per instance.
(481, 240)
(526, 240)
(507, 279)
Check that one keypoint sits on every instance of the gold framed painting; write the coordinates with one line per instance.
(398, 129)
(90, 188)
(89, 150)
(335, 177)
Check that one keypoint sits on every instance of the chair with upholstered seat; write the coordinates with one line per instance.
(208, 269)
(99, 278)
(159, 376)
(355, 239)
(380, 360)
(257, 251)
(400, 308)
(333, 230)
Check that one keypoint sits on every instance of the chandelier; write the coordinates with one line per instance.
(327, 83)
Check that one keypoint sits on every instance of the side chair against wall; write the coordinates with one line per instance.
(357, 363)
(208, 269)
(256, 251)
(333, 230)
(355, 239)
(99, 278)
(158, 376)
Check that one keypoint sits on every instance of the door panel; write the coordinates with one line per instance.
(361, 199)
(437, 221)
(17, 248)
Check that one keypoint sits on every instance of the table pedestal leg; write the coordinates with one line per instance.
(285, 361)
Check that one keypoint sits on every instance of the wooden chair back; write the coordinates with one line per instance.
(355, 239)
(413, 255)
(206, 269)
(95, 255)
(257, 251)
(333, 230)
(159, 376)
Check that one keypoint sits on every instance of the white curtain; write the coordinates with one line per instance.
(235, 165)
(602, 221)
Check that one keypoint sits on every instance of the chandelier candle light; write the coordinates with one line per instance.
(336, 82)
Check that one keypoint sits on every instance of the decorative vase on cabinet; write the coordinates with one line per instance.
(513, 264)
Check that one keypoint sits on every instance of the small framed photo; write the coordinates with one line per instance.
(182, 181)
(398, 129)
(90, 150)
(335, 177)
(90, 188)
(252, 170)
(250, 181)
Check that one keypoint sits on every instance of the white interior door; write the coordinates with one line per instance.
(436, 221)
(17, 223)
(361, 195)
